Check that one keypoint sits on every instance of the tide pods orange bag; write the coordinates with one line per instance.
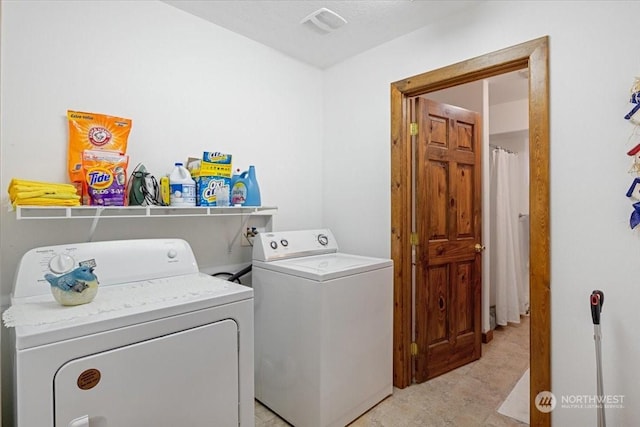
(92, 131)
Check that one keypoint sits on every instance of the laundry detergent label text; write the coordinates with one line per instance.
(207, 187)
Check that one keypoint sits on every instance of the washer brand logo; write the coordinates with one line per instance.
(88, 379)
(545, 401)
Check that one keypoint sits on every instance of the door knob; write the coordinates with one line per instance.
(479, 248)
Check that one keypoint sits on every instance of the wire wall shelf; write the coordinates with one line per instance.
(104, 212)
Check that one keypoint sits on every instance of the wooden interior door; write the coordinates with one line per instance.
(448, 228)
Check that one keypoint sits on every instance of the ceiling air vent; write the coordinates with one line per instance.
(324, 20)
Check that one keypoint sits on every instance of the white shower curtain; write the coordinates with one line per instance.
(506, 249)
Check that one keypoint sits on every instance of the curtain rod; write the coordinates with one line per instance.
(497, 147)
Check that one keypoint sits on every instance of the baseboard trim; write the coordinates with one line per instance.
(487, 336)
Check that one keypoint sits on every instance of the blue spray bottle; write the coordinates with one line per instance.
(245, 190)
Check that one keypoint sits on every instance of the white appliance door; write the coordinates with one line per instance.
(188, 378)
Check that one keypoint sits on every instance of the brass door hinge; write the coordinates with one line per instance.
(414, 239)
(413, 128)
(414, 349)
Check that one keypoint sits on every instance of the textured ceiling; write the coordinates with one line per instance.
(277, 23)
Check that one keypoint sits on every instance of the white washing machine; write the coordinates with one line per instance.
(323, 328)
(160, 345)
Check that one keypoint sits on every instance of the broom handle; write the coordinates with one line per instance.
(597, 300)
(597, 336)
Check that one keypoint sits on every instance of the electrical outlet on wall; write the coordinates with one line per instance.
(248, 235)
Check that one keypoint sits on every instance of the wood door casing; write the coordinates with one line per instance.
(448, 225)
(532, 56)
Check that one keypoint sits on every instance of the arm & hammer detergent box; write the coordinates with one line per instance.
(212, 174)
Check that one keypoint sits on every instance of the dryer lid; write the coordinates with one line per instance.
(326, 267)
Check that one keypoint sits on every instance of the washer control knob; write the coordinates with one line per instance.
(273, 244)
(323, 239)
(61, 263)
(172, 253)
(284, 242)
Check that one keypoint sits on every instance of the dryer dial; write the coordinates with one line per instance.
(61, 263)
(323, 239)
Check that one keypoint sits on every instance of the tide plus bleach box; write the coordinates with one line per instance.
(212, 177)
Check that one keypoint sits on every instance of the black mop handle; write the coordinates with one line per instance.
(597, 300)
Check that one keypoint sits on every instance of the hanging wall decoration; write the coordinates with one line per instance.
(633, 116)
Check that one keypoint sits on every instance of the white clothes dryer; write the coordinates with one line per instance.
(160, 345)
(323, 328)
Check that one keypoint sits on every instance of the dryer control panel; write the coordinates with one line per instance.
(277, 245)
(115, 262)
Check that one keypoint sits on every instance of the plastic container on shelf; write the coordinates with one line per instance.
(245, 190)
(182, 187)
(222, 195)
(234, 178)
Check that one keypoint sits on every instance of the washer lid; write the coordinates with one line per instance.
(40, 320)
(326, 267)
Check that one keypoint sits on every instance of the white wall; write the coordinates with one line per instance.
(509, 116)
(188, 85)
(593, 60)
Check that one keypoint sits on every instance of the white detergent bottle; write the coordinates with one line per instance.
(182, 187)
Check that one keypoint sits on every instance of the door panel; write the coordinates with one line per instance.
(447, 214)
(465, 298)
(465, 135)
(465, 201)
(188, 378)
(438, 176)
(437, 326)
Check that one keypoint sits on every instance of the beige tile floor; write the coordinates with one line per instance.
(466, 397)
